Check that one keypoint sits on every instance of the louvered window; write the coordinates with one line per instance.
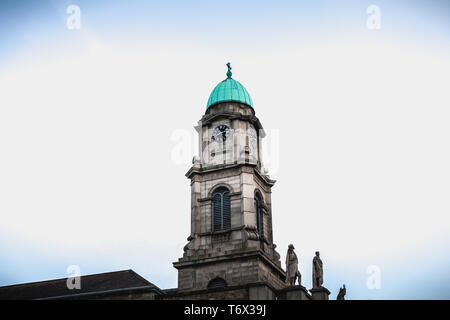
(217, 283)
(259, 214)
(221, 210)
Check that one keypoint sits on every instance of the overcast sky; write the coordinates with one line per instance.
(96, 134)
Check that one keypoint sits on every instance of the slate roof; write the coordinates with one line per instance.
(94, 284)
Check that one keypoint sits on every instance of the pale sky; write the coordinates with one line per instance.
(357, 123)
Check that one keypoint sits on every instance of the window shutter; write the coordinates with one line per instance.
(217, 215)
(221, 217)
(259, 216)
(226, 211)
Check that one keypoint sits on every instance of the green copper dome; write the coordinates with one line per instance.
(229, 90)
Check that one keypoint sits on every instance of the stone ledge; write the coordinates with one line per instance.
(242, 254)
(320, 293)
(201, 171)
(186, 294)
(298, 292)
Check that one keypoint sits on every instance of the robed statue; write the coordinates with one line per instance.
(292, 272)
(317, 271)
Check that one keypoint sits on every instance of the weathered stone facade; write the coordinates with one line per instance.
(245, 253)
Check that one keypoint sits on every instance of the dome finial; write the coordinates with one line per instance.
(229, 74)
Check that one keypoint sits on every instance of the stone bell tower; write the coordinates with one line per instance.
(231, 241)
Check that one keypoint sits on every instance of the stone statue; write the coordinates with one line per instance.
(341, 294)
(317, 271)
(292, 272)
(229, 73)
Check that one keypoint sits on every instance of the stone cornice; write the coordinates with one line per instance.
(188, 293)
(194, 170)
(254, 253)
(209, 118)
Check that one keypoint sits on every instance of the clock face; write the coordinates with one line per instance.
(253, 138)
(221, 133)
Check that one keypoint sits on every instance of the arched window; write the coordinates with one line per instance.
(259, 214)
(217, 283)
(221, 220)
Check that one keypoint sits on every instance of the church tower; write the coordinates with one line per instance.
(231, 240)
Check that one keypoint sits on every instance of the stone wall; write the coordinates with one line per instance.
(234, 272)
(251, 291)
